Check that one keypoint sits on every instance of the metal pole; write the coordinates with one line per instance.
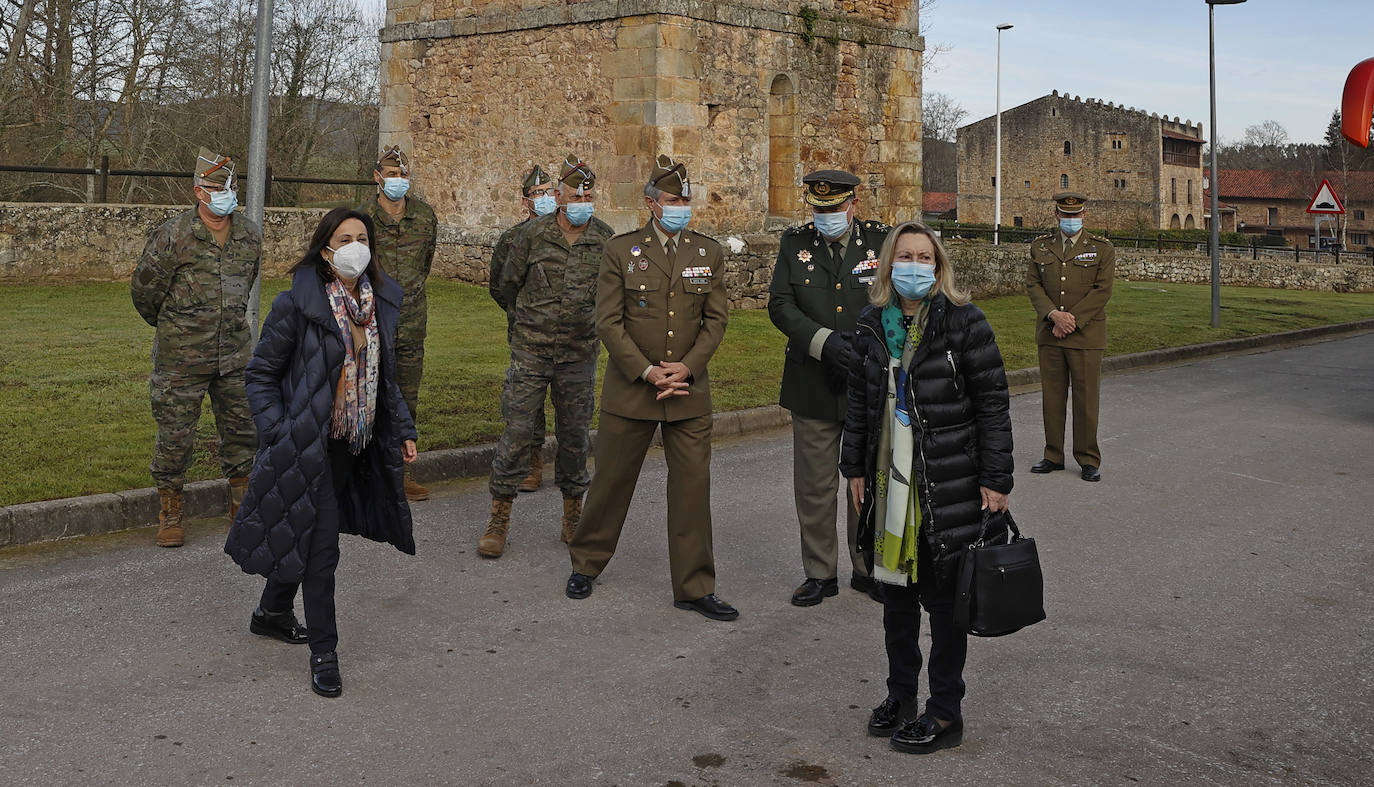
(1216, 182)
(256, 199)
(997, 176)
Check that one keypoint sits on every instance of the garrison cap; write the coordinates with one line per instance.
(214, 169)
(1070, 202)
(536, 177)
(829, 187)
(392, 156)
(576, 174)
(670, 177)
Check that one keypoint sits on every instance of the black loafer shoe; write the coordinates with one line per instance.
(866, 585)
(925, 735)
(711, 606)
(1091, 473)
(579, 586)
(885, 718)
(814, 591)
(281, 626)
(1046, 466)
(324, 674)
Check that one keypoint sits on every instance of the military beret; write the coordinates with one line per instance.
(1070, 202)
(215, 169)
(393, 157)
(670, 177)
(536, 177)
(829, 187)
(576, 173)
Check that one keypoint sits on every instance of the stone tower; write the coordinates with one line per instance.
(750, 94)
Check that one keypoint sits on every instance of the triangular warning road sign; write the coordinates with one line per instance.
(1325, 201)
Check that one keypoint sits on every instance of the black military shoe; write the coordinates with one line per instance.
(925, 735)
(325, 679)
(885, 718)
(867, 586)
(814, 591)
(711, 606)
(1091, 473)
(579, 586)
(1046, 466)
(282, 626)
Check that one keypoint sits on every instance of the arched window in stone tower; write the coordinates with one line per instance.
(782, 148)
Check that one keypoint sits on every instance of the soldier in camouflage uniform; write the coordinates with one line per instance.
(548, 283)
(192, 285)
(538, 198)
(405, 235)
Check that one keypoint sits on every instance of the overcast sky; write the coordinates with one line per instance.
(1283, 60)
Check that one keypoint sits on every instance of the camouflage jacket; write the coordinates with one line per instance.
(498, 261)
(196, 294)
(405, 249)
(550, 288)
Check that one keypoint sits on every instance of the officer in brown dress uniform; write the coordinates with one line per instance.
(661, 309)
(1069, 281)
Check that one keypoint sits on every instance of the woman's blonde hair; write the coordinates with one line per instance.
(880, 294)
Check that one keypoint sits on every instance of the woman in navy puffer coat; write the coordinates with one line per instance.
(314, 478)
(935, 424)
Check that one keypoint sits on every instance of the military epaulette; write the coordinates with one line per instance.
(626, 234)
(877, 226)
(1045, 237)
(1099, 237)
(800, 229)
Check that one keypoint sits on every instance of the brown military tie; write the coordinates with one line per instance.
(671, 248)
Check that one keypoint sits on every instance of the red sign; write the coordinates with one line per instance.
(1325, 200)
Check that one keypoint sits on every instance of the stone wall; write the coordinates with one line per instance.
(750, 96)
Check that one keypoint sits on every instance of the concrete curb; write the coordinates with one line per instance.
(49, 520)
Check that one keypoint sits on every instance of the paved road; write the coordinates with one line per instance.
(1210, 620)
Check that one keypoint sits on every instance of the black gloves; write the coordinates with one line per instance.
(835, 357)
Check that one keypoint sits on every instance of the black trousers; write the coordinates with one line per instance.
(317, 590)
(948, 645)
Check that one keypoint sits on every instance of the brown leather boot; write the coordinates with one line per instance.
(415, 492)
(536, 476)
(238, 485)
(493, 540)
(572, 515)
(169, 531)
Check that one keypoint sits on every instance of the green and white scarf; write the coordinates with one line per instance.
(898, 507)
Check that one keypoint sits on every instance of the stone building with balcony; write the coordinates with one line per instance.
(1273, 204)
(750, 94)
(1140, 171)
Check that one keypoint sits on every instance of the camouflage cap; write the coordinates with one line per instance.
(829, 187)
(214, 169)
(576, 173)
(1070, 202)
(536, 177)
(392, 156)
(670, 177)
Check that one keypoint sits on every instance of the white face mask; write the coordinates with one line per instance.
(351, 259)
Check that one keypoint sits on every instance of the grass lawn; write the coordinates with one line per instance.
(74, 363)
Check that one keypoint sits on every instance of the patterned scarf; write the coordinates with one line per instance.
(355, 399)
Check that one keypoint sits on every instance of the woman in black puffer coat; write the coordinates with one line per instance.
(333, 437)
(928, 438)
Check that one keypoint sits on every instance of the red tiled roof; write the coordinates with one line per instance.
(938, 201)
(1292, 184)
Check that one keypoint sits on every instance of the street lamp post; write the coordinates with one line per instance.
(1212, 167)
(997, 176)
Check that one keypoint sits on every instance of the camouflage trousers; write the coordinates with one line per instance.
(410, 361)
(176, 400)
(572, 386)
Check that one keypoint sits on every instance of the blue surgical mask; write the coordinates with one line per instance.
(912, 280)
(831, 225)
(395, 188)
(675, 218)
(1070, 226)
(579, 213)
(544, 204)
(223, 202)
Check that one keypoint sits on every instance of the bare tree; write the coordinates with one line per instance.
(1270, 133)
(941, 115)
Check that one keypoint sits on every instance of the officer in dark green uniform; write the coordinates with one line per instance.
(1069, 281)
(538, 199)
(406, 232)
(820, 284)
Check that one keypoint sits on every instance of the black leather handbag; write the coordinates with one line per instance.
(999, 588)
